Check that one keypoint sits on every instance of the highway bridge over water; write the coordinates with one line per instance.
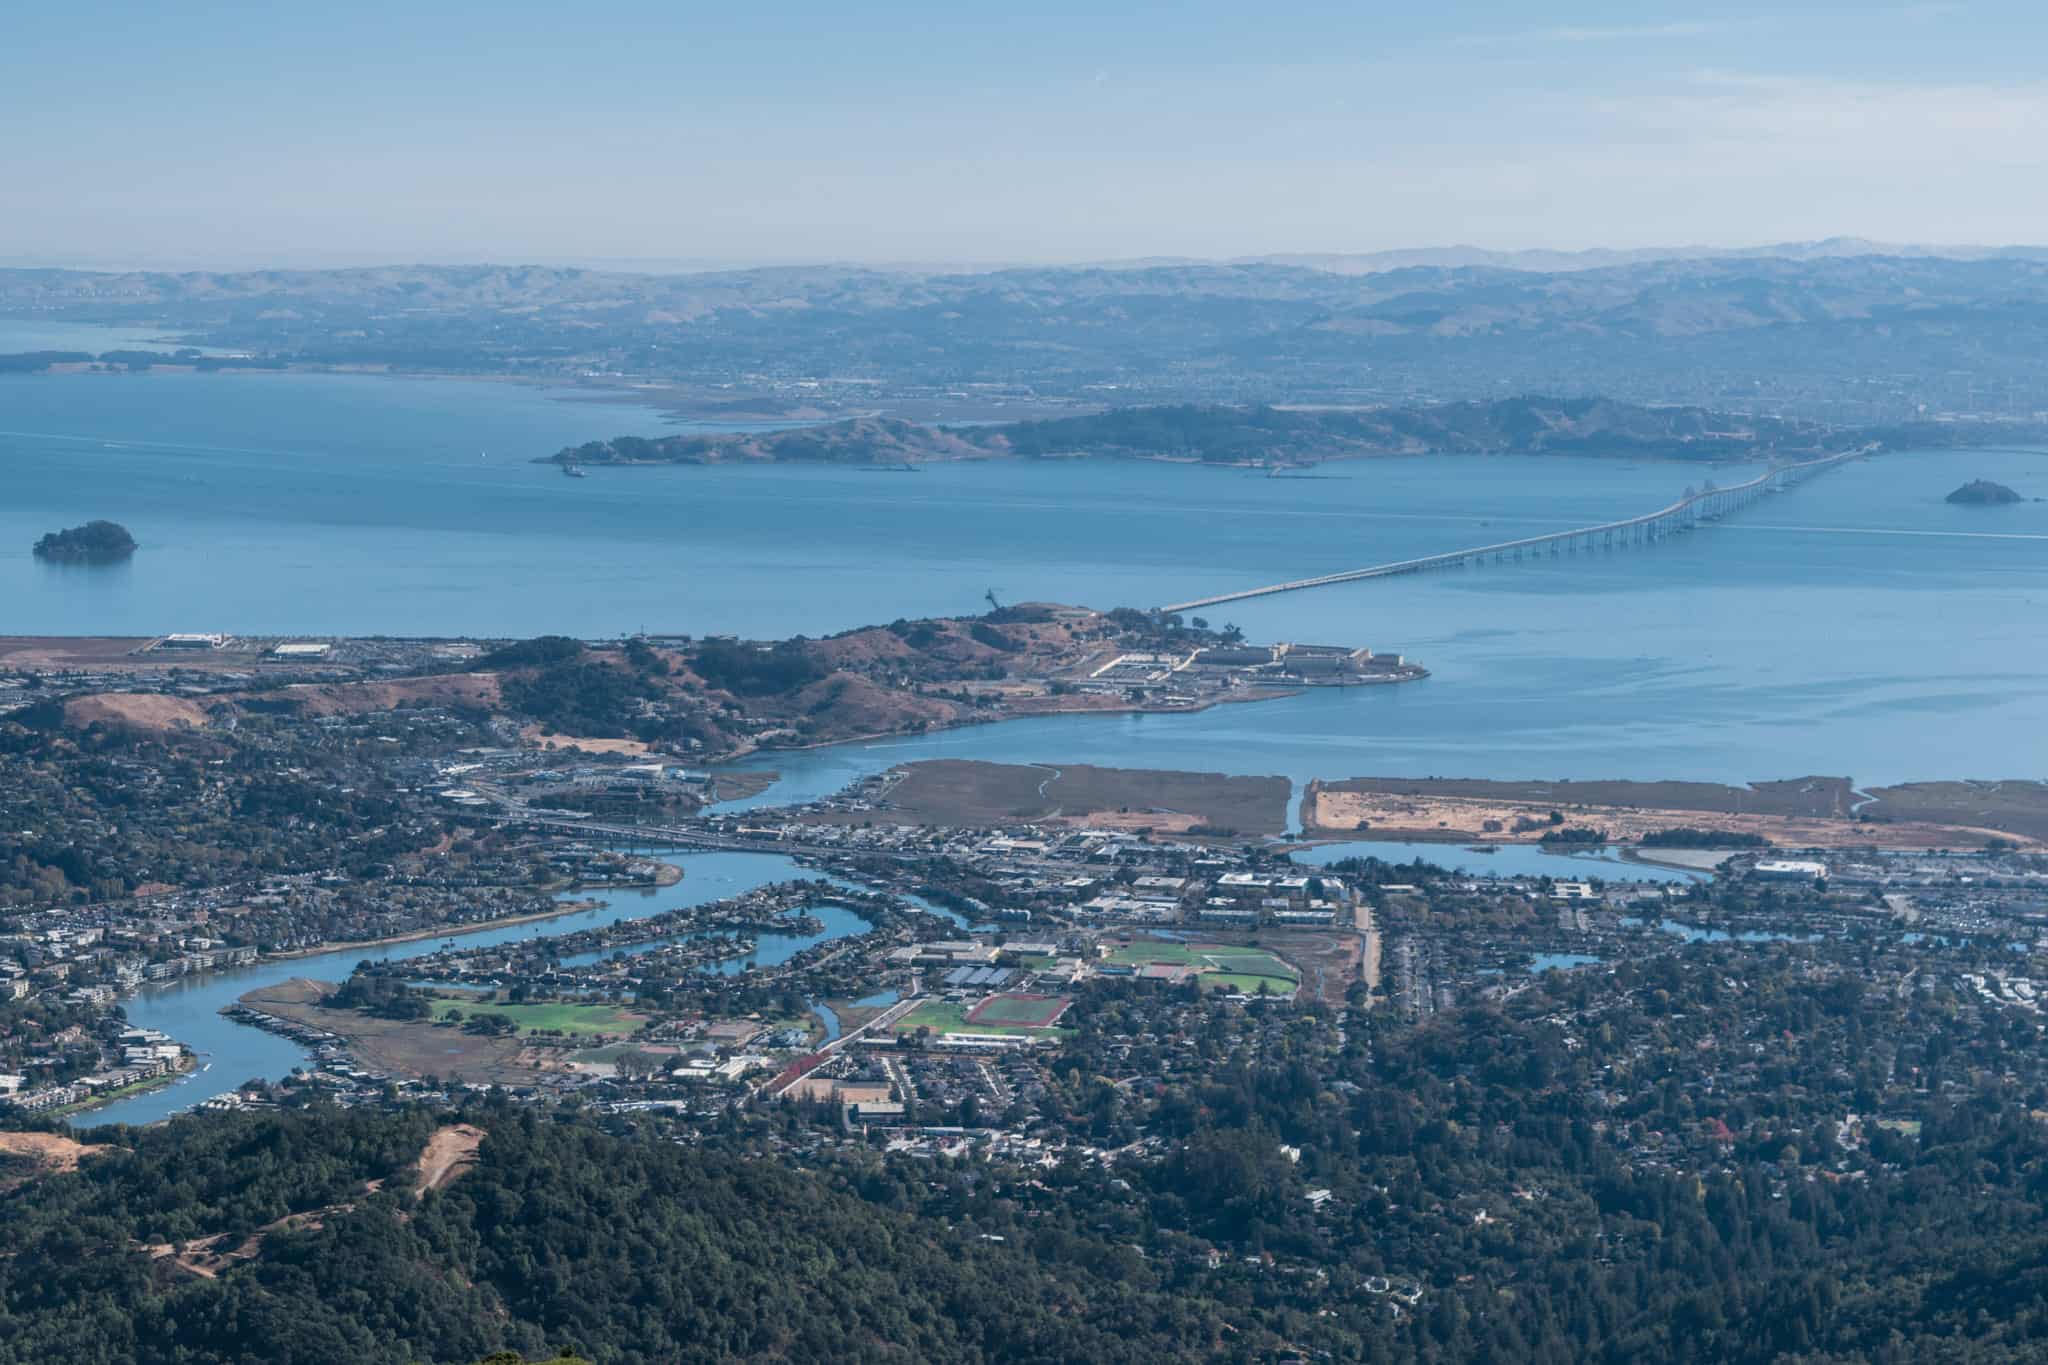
(1707, 504)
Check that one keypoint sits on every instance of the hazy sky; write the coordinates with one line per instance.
(924, 130)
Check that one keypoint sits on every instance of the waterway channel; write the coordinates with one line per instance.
(231, 1053)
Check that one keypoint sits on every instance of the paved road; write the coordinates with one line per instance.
(880, 1022)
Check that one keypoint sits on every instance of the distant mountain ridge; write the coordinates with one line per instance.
(1842, 331)
(1547, 261)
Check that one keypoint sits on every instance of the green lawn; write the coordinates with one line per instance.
(946, 1016)
(556, 1017)
(1222, 967)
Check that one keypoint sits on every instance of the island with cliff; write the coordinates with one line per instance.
(96, 542)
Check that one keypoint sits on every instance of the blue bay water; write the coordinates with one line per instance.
(1856, 625)
(17, 335)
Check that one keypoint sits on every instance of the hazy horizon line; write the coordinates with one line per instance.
(322, 261)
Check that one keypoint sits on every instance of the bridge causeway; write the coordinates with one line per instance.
(1707, 504)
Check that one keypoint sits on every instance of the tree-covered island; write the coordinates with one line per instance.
(1983, 493)
(96, 542)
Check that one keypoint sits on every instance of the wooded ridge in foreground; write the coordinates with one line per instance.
(625, 1250)
(335, 1237)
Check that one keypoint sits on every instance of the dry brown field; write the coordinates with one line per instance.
(971, 792)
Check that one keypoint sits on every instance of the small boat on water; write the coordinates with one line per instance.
(574, 471)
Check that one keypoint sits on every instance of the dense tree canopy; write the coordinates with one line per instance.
(627, 1249)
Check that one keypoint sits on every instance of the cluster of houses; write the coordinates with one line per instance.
(1234, 899)
(1090, 875)
(578, 789)
(95, 963)
(145, 1054)
(1194, 673)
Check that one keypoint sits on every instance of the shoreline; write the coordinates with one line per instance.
(510, 921)
(188, 1066)
(918, 465)
(1122, 709)
(475, 927)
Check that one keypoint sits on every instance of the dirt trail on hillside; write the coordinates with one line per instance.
(448, 1153)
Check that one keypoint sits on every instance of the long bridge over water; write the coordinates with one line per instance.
(1707, 504)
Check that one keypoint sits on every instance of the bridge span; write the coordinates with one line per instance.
(1706, 504)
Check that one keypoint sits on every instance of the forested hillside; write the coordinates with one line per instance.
(1498, 1195)
(631, 1251)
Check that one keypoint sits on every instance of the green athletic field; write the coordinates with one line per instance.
(1222, 967)
(565, 1018)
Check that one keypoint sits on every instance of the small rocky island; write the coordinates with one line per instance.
(1983, 493)
(96, 542)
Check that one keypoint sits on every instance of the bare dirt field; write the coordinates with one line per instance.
(138, 710)
(54, 1153)
(1810, 813)
(1813, 796)
(633, 748)
(39, 652)
(967, 792)
(337, 699)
